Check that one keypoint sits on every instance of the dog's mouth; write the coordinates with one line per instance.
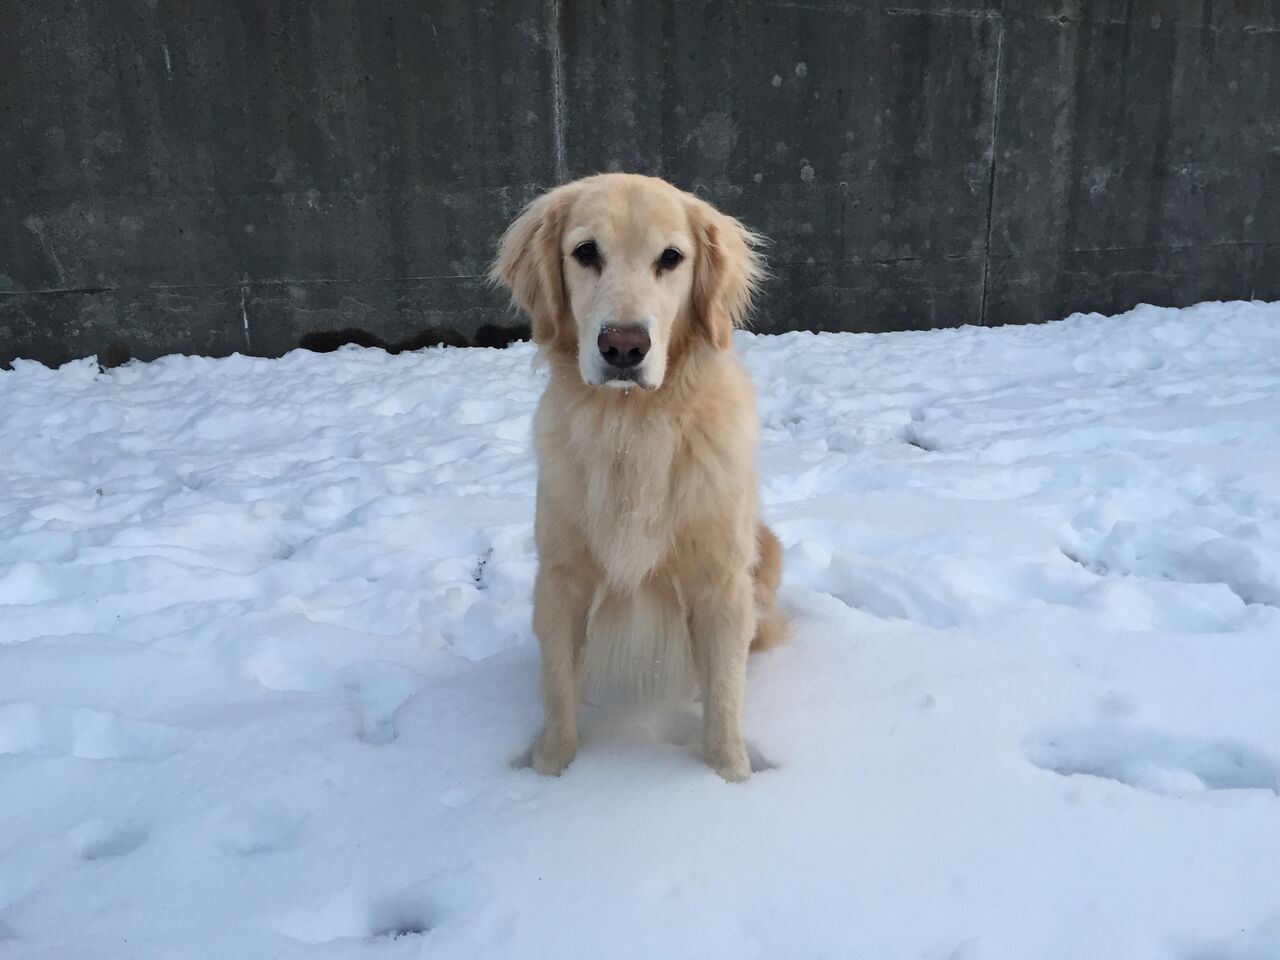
(620, 379)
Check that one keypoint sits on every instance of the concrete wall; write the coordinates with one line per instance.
(234, 176)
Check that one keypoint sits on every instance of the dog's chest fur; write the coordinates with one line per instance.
(657, 497)
(630, 490)
(635, 478)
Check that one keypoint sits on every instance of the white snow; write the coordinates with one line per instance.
(265, 662)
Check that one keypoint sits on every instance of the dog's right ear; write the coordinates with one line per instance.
(531, 266)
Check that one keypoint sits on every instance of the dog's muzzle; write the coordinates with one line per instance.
(622, 350)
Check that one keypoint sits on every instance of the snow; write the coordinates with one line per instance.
(265, 662)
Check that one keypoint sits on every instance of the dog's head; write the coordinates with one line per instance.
(626, 273)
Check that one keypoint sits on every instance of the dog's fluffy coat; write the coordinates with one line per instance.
(652, 558)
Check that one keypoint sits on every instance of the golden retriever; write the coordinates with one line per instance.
(652, 561)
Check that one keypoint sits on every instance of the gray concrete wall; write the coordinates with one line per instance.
(235, 176)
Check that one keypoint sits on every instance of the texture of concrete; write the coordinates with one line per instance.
(245, 175)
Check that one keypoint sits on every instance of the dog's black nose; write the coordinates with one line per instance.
(623, 347)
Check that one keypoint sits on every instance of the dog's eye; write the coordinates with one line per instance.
(587, 253)
(670, 259)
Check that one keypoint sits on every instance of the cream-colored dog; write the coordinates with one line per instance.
(652, 559)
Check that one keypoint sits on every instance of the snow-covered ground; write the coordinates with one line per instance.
(265, 661)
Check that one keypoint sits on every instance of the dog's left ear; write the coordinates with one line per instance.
(728, 270)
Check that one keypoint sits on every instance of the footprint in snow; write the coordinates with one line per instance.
(970, 949)
(243, 830)
(83, 733)
(914, 436)
(107, 837)
(1154, 761)
(351, 915)
(456, 797)
(395, 917)
(1261, 943)
(376, 690)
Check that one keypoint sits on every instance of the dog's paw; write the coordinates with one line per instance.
(552, 754)
(730, 761)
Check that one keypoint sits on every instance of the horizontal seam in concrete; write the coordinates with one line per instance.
(1168, 247)
(954, 257)
(816, 7)
(237, 285)
(965, 14)
(877, 261)
(11, 197)
(1065, 21)
(849, 261)
(1059, 19)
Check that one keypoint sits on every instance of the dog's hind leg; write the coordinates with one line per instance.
(771, 624)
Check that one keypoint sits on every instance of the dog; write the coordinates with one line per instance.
(652, 560)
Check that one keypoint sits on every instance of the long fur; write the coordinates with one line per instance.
(653, 564)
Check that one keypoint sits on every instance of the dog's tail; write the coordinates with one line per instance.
(772, 625)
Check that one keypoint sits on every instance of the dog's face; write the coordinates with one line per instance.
(629, 277)
(624, 271)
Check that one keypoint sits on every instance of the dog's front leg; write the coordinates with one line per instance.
(560, 623)
(723, 623)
